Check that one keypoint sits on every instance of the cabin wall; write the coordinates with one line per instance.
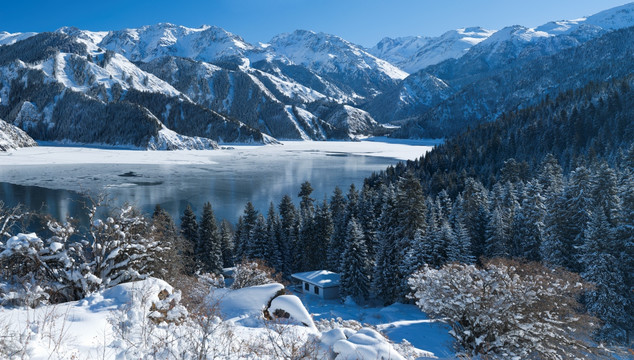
(331, 293)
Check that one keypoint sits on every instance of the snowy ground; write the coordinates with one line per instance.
(114, 324)
(397, 321)
(382, 147)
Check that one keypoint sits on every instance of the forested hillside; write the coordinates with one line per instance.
(553, 183)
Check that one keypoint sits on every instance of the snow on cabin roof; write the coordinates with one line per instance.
(321, 278)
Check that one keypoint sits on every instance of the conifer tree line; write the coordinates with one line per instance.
(564, 196)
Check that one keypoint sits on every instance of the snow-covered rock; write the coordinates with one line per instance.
(12, 137)
(246, 302)
(293, 306)
(365, 344)
(167, 139)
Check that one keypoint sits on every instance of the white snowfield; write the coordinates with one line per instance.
(115, 324)
(59, 155)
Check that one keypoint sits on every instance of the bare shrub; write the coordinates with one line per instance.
(507, 308)
(253, 272)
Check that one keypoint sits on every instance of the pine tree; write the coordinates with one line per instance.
(273, 252)
(258, 240)
(323, 229)
(530, 223)
(386, 271)
(226, 239)
(209, 253)
(336, 243)
(174, 250)
(238, 245)
(609, 299)
(565, 228)
(497, 235)
(368, 219)
(355, 279)
(476, 215)
(307, 234)
(411, 208)
(247, 231)
(288, 234)
(189, 230)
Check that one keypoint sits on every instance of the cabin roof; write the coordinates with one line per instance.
(321, 278)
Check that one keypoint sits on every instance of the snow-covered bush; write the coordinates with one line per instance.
(168, 308)
(252, 273)
(121, 249)
(67, 265)
(507, 308)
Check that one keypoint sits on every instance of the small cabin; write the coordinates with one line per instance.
(322, 283)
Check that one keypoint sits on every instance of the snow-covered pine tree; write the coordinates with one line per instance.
(288, 233)
(368, 219)
(565, 226)
(209, 251)
(355, 265)
(475, 210)
(238, 245)
(226, 239)
(411, 209)
(610, 298)
(249, 218)
(386, 272)
(307, 232)
(273, 253)
(336, 243)
(323, 229)
(189, 231)
(497, 235)
(529, 222)
(258, 241)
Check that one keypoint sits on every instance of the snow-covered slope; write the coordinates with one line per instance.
(415, 53)
(207, 43)
(11, 137)
(8, 38)
(347, 65)
(73, 91)
(508, 49)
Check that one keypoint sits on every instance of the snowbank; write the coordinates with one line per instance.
(366, 344)
(292, 305)
(243, 303)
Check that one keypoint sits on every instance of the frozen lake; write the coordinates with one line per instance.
(54, 177)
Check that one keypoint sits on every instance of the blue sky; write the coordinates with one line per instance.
(362, 22)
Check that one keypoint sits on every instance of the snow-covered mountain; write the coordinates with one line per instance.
(12, 137)
(71, 91)
(8, 38)
(162, 81)
(414, 53)
(477, 73)
(347, 65)
(207, 43)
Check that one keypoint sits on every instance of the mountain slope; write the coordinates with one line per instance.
(11, 137)
(57, 87)
(412, 54)
(207, 43)
(506, 89)
(478, 73)
(344, 64)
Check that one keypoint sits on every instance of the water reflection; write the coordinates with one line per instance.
(227, 186)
